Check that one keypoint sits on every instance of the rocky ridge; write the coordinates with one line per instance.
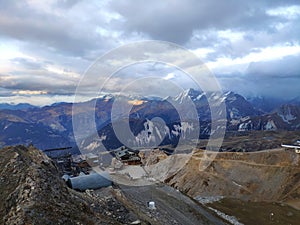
(33, 193)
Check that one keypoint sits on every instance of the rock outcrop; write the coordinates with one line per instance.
(33, 193)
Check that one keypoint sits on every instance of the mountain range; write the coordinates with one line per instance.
(51, 126)
(19, 106)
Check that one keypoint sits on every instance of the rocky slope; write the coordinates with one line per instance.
(260, 176)
(33, 193)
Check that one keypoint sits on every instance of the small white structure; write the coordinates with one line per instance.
(295, 147)
(92, 159)
(151, 205)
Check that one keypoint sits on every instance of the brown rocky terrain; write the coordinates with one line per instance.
(263, 183)
(32, 192)
(272, 175)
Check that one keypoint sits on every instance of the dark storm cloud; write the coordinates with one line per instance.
(33, 83)
(287, 67)
(40, 79)
(176, 20)
(57, 41)
(276, 78)
(75, 36)
(279, 87)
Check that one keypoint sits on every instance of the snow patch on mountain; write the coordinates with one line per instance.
(6, 126)
(270, 125)
(199, 97)
(189, 94)
(234, 113)
(230, 96)
(245, 126)
(152, 134)
(95, 144)
(182, 129)
(58, 127)
(286, 116)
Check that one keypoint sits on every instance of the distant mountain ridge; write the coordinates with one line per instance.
(267, 104)
(20, 106)
(51, 126)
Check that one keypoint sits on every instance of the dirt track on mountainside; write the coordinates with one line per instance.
(172, 207)
(272, 175)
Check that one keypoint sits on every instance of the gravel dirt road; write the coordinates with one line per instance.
(172, 207)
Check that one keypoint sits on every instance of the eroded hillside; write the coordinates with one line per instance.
(33, 193)
(259, 176)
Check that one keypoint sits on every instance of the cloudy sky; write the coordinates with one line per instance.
(252, 47)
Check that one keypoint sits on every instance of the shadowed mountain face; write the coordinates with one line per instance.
(51, 126)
